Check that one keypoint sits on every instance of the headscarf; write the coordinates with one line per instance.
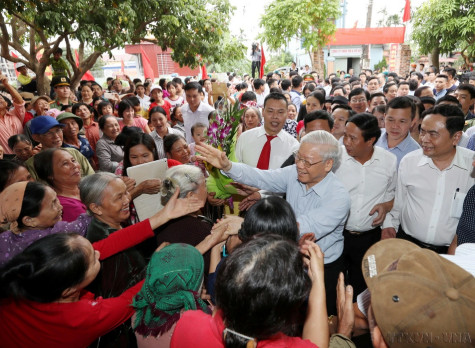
(11, 200)
(174, 276)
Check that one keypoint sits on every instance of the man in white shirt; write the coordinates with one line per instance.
(396, 137)
(368, 173)
(259, 89)
(196, 110)
(432, 182)
(251, 143)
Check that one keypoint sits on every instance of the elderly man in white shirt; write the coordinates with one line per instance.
(432, 183)
(369, 174)
(195, 110)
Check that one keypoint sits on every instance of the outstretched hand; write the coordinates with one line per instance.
(215, 157)
(314, 262)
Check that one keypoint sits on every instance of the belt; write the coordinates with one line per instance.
(439, 249)
(360, 233)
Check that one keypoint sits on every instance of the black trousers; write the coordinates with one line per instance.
(256, 65)
(332, 270)
(355, 247)
(439, 249)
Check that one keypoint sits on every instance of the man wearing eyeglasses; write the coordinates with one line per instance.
(358, 100)
(320, 201)
(369, 174)
(49, 133)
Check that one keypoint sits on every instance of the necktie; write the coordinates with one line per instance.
(264, 158)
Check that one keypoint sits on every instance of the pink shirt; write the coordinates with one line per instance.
(72, 208)
(138, 122)
(11, 124)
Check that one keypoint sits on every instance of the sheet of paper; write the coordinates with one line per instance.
(145, 204)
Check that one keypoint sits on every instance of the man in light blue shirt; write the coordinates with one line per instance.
(396, 138)
(320, 201)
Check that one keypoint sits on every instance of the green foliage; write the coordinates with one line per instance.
(194, 29)
(382, 64)
(447, 25)
(387, 20)
(310, 20)
(278, 61)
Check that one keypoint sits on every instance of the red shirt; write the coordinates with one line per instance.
(166, 106)
(200, 330)
(76, 324)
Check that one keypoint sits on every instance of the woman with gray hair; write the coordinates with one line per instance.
(192, 228)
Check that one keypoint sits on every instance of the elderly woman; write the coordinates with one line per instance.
(191, 183)
(33, 211)
(108, 153)
(71, 137)
(22, 147)
(91, 128)
(44, 301)
(177, 148)
(172, 286)
(59, 169)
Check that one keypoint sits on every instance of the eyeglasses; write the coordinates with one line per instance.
(305, 163)
(360, 100)
(52, 134)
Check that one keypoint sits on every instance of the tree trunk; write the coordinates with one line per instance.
(435, 57)
(318, 62)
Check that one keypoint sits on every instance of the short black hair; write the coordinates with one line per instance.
(296, 81)
(319, 115)
(193, 85)
(368, 124)
(273, 214)
(138, 139)
(377, 94)
(450, 71)
(442, 76)
(285, 84)
(7, 169)
(448, 99)
(418, 74)
(345, 107)
(169, 140)
(387, 86)
(358, 91)
(267, 271)
(467, 87)
(402, 103)
(258, 83)
(248, 96)
(418, 92)
(276, 96)
(455, 119)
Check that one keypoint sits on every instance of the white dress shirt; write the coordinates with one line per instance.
(368, 184)
(250, 144)
(144, 102)
(190, 117)
(424, 196)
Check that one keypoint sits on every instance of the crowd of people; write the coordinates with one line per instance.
(354, 212)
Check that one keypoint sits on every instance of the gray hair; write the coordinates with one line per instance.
(187, 177)
(256, 110)
(331, 148)
(92, 188)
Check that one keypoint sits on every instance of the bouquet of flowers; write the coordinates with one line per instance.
(222, 131)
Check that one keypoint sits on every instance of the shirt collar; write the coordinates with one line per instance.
(261, 132)
(458, 161)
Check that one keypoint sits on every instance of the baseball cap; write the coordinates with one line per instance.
(20, 65)
(60, 81)
(308, 78)
(419, 298)
(42, 124)
(65, 115)
(155, 87)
